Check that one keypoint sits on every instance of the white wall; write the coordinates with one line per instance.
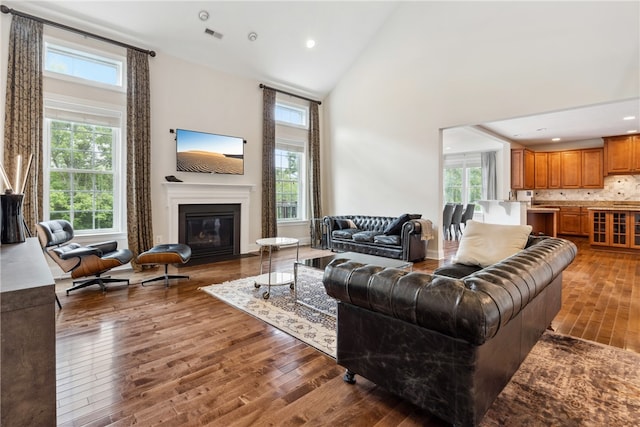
(442, 64)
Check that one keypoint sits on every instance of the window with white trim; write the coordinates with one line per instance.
(82, 169)
(67, 61)
(292, 124)
(462, 178)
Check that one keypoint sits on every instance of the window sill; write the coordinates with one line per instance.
(293, 223)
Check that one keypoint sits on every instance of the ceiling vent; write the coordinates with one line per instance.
(213, 33)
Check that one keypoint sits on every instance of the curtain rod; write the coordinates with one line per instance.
(263, 86)
(5, 9)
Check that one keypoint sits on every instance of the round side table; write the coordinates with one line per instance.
(273, 278)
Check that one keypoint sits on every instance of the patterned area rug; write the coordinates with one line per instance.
(316, 327)
(564, 381)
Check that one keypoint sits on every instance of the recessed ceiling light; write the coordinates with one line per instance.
(629, 118)
(203, 15)
(311, 43)
(555, 139)
(253, 36)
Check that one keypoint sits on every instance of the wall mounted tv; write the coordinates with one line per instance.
(209, 153)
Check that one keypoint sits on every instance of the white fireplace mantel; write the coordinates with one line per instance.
(189, 193)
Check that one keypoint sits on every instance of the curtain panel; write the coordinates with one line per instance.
(269, 220)
(489, 176)
(314, 162)
(23, 114)
(139, 221)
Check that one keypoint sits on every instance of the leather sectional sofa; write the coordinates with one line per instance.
(450, 341)
(402, 237)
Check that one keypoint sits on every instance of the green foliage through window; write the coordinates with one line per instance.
(81, 178)
(288, 184)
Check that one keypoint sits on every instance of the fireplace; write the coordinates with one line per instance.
(211, 230)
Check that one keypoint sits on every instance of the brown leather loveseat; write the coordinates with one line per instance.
(447, 344)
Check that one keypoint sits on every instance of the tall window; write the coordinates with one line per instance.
(82, 152)
(462, 178)
(292, 123)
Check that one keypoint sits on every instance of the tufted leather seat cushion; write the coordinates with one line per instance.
(387, 240)
(366, 236)
(345, 234)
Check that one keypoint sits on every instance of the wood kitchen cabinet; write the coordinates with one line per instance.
(558, 169)
(585, 223)
(569, 219)
(522, 169)
(634, 230)
(592, 168)
(571, 169)
(574, 221)
(622, 154)
(619, 229)
(541, 178)
(554, 168)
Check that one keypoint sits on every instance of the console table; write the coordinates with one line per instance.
(28, 345)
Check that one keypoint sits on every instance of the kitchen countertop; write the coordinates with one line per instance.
(542, 209)
(590, 204)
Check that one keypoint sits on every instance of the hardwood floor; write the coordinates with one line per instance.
(178, 357)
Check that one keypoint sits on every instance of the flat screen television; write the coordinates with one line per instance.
(209, 153)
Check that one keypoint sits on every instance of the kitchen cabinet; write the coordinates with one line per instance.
(574, 221)
(570, 169)
(558, 169)
(585, 223)
(522, 169)
(592, 168)
(634, 230)
(554, 168)
(541, 167)
(613, 228)
(622, 154)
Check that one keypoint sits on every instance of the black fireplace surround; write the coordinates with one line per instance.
(211, 230)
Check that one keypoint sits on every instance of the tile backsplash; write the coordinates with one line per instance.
(618, 188)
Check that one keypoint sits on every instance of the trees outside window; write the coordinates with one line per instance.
(81, 175)
(462, 179)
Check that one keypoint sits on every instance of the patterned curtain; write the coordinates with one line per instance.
(139, 224)
(314, 163)
(269, 220)
(23, 113)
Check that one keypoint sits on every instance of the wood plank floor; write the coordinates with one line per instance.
(178, 357)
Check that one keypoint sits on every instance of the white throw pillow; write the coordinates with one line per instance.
(486, 244)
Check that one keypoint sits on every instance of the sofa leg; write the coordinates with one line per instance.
(349, 377)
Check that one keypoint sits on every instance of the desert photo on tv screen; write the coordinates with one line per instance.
(209, 153)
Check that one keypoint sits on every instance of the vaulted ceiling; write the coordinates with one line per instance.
(279, 56)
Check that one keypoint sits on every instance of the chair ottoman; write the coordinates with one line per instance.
(170, 253)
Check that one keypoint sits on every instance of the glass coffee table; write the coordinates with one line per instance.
(321, 263)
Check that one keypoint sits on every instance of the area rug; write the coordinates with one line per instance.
(564, 381)
(315, 326)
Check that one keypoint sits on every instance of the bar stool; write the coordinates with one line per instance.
(171, 253)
